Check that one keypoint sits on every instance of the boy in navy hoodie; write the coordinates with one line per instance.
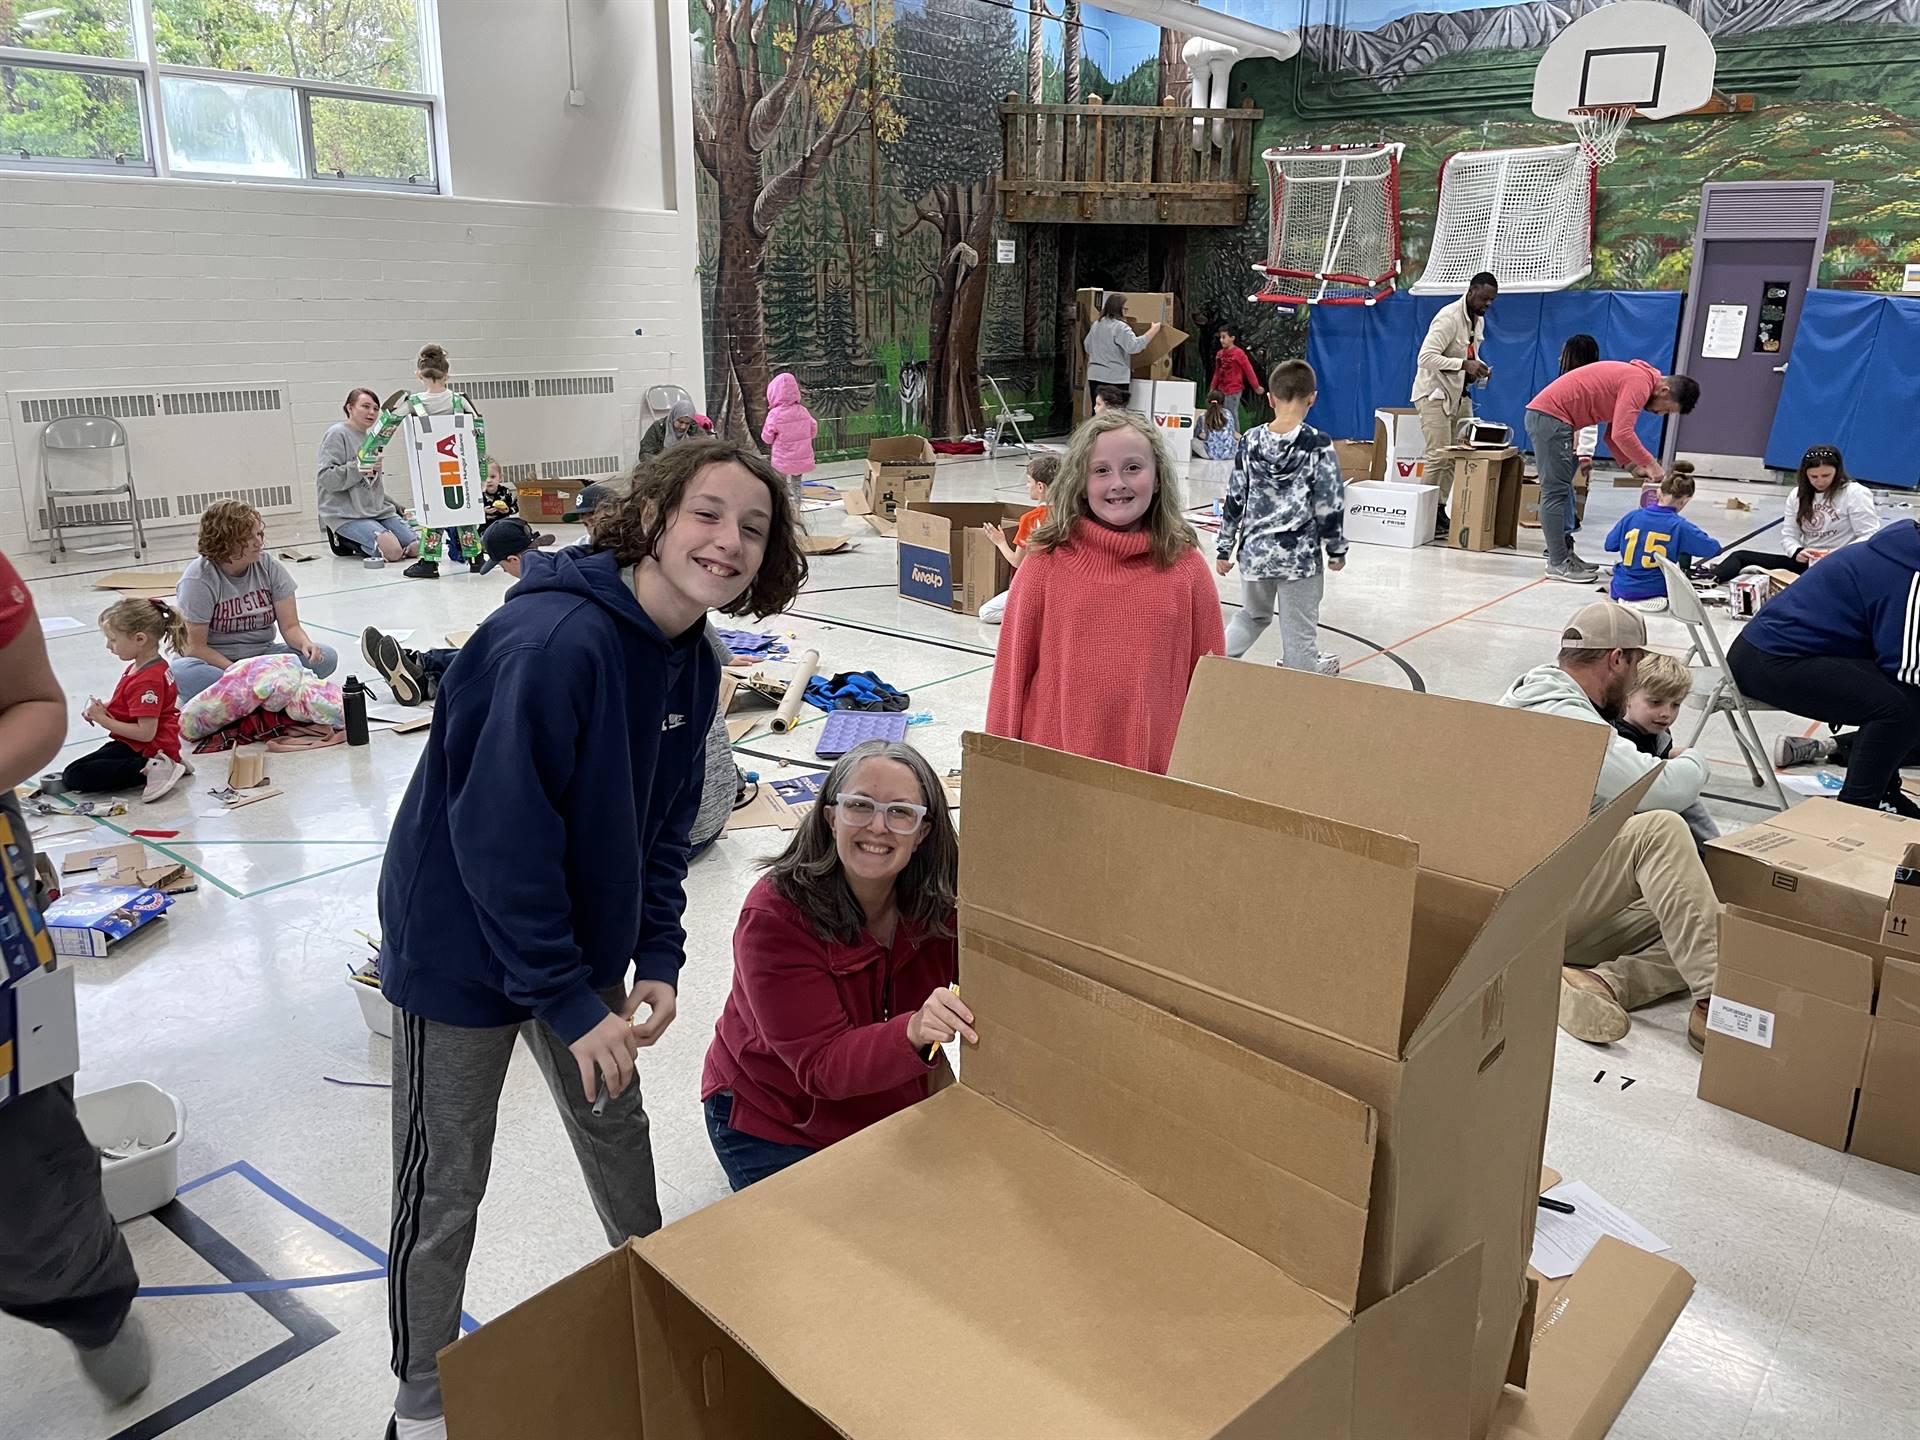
(1642, 537)
(1842, 644)
(516, 913)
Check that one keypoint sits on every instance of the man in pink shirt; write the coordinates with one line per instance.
(1610, 393)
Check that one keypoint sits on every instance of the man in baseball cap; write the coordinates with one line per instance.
(1645, 923)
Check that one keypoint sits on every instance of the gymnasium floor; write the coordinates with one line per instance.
(1806, 1323)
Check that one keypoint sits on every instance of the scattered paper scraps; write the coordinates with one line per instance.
(232, 799)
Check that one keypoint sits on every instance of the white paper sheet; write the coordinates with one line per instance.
(1561, 1242)
(60, 625)
(1725, 328)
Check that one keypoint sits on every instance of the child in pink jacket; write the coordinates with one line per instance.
(790, 429)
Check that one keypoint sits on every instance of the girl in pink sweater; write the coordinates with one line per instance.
(790, 429)
(1112, 609)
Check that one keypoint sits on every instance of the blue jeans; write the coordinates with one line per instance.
(192, 676)
(745, 1158)
(1553, 453)
(366, 533)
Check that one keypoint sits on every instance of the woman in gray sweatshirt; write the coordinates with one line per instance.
(1111, 345)
(353, 503)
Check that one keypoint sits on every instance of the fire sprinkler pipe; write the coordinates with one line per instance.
(1191, 19)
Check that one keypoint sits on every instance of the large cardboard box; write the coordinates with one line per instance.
(1399, 445)
(1183, 1127)
(1145, 308)
(899, 472)
(1816, 1014)
(1530, 504)
(547, 502)
(1356, 458)
(1169, 405)
(945, 557)
(1380, 512)
(1486, 499)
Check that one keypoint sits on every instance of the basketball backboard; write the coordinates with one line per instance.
(1634, 52)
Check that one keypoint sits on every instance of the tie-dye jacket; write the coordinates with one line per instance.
(1285, 500)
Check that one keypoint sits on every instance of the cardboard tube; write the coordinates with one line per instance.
(796, 696)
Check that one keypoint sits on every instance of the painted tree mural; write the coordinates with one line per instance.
(807, 73)
(946, 157)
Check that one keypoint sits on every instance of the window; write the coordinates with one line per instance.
(302, 91)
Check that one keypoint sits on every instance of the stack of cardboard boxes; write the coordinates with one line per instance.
(1144, 309)
(1228, 1160)
(1815, 1022)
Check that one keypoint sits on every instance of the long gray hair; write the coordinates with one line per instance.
(808, 874)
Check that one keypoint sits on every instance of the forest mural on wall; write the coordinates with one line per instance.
(824, 126)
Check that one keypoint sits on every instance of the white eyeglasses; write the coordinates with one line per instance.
(856, 812)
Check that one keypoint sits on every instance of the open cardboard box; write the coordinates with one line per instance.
(1486, 498)
(899, 472)
(1313, 1183)
(947, 560)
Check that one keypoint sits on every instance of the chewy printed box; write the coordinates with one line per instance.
(946, 559)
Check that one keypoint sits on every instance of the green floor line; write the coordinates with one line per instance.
(168, 851)
(302, 879)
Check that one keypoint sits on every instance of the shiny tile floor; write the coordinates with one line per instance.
(1806, 1323)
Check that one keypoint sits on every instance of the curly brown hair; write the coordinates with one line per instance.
(225, 528)
(432, 363)
(638, 519)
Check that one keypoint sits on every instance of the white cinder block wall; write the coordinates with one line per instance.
(548, 256)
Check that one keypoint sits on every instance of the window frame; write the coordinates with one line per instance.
(147, 72)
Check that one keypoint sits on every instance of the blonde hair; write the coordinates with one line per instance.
(133, 616)
(1663, 679)
(1678, 482)
(1168, 531)
(225, 528)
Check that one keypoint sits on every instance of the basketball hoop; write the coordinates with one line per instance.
(1600, 128)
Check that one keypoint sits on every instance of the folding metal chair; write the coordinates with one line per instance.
(1007, 417)
(73, 434)
(1723, 696)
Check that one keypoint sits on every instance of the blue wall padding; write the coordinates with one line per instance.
(1364, 354)
(1855, 383)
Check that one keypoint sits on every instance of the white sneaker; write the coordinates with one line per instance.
(434, 1429)
(1327, 664)
(1656, 606)
(163, 772)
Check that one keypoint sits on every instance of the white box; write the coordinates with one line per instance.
(140, 1183)
(1169, 404)
(46, 1035)
(1385, 512)
(375, 1008)
(1399, 446)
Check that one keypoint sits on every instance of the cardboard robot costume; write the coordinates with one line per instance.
(446, 460)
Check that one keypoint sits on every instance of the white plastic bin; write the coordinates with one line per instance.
(140, 1111)
(375, 1008)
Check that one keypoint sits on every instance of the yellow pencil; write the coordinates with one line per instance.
(934, 1049)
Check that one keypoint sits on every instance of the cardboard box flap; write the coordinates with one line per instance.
(900, 450)
(1258, 1152)
(1822, 862)
(1752, 944)
(1902, 930)
(1595, 1333)
(582, 1325)
(1464, 824)
(1893, 1065)
(1899, 992)
(1424, 1357)
(1262, 875)
(1539, 899)
(966, 1253)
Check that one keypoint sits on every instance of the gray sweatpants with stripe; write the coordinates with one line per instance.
(446, 1098)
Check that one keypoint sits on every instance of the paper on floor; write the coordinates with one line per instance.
(1807, 785)
(60, 625)
(1561, 1242)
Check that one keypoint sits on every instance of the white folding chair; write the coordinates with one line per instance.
(658, 403)
(72, 435)
(1722, 695)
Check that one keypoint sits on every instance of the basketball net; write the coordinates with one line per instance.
(1600, 128)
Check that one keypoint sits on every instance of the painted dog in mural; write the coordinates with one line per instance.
(913, 393)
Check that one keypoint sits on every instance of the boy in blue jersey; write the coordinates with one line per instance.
(1645, 536)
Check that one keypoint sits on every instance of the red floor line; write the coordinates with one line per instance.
(1419, 634)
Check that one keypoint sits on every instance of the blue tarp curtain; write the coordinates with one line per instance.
(1364, 354)
(1854, 382)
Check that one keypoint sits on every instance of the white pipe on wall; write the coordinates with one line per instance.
(1209, 66)
(1245, 36)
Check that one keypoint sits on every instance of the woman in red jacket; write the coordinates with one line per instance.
(1112, 608)
(842, 959)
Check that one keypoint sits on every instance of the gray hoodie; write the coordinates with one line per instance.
(346, 493)
(1549, 689)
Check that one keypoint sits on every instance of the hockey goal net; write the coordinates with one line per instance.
(1333, 233)
(1524, 215)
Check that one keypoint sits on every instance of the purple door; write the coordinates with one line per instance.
(1746, 305)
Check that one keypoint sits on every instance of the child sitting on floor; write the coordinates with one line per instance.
(500, 498)
(1653, 704)
(143, 717)
(1285, 501)
(1042, 471)
(1214, 439)
(1652, 533)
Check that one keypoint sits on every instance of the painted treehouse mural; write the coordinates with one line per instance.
(857, 163)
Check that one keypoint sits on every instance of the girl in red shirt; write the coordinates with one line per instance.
(1114, 607)
(144, 714)
(842, 959)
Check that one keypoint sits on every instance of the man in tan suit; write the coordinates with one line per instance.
(1449, 362)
